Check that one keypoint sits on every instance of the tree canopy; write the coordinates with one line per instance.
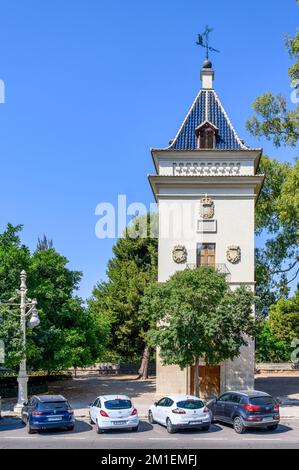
(196, 315)
(68, 334)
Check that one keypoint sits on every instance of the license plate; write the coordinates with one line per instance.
(269, 418)
(116, 423)
(196, 422)
(56, 418)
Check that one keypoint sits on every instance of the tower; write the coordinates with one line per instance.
(206, 186)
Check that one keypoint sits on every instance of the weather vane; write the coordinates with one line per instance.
(203, 40)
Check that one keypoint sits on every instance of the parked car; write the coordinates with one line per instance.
(47, 411)
(113, 412)
(180, 411)
(246, 409)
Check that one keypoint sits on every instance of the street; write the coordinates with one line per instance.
(13, 435)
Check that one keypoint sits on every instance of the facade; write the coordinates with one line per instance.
(206, 186)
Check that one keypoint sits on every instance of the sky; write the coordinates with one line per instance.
(92, 85)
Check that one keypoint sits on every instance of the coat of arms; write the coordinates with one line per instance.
(179, 254)
(233, 253)
(207, 208)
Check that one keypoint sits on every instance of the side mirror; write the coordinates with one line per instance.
(156, 403)
(90, 404)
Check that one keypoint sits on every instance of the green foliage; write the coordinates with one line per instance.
(274, 121)
(277, 263)
(284, 318)
(196, 315)
(269, 348)
(278, 331)
(69, 334)
(130, 271)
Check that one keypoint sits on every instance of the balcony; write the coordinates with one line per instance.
(219, 267)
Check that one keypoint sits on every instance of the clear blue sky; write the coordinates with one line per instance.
(91, 85)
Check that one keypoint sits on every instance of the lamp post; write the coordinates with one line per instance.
(27, 310)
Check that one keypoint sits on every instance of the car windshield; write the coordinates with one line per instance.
(118, 404)
(261, 401)
(55, 405)
(190, 404)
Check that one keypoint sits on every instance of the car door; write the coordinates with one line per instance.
(28, 408)
(220, 407)
(159, 410)
(166, 409)
(94, 409)
(231, 406)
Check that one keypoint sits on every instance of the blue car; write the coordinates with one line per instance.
(47, 412)
(246, 409)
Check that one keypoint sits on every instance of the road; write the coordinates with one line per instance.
(13, 435)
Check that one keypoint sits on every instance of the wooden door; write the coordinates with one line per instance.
(209, 381)
(206, 254)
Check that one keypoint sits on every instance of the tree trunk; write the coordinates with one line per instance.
(143, 370)
(196, 377)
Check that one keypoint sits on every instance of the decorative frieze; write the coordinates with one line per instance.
(206, 168)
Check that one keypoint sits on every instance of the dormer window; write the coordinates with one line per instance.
(206, 135)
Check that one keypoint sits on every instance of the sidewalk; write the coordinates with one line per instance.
(84, 389)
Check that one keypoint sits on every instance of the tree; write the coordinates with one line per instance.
(277, 215)
(44, 243)
(284, 318)
(272, 119)
(277, 219)
(274, 342)
(13, 258)
(129, 272)
(69, 334)
(196, 316)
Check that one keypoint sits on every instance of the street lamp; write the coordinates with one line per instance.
(27, 311)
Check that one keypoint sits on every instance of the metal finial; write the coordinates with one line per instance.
(203, 41)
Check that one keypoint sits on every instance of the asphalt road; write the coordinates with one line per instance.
(13, 435)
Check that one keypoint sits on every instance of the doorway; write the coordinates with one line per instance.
(209, 381)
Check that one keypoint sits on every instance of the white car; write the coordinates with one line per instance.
(113, 412)
(180, 411)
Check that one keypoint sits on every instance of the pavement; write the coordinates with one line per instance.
(13, 435)
(82, 390)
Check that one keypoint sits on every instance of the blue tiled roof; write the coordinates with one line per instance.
(207, 107)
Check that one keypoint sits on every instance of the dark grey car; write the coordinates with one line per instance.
(244, 409)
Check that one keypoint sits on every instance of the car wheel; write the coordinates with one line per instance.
(70, 428)
(273, 427)
(29, 429)
(135, 428)
(170, 427)
(238, 425)
(151, 418)
(213, 420)
(98, 429)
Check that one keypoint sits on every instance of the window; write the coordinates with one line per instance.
(162, 402)
(225, 397)
(118, 404)
(206, 136)
(190, 404)
(206, 254)
(235, 398)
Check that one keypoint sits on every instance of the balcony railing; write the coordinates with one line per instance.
(219, 267)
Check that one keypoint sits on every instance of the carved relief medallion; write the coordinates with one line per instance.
(233, 253)
(179, 254)
(206, 208)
